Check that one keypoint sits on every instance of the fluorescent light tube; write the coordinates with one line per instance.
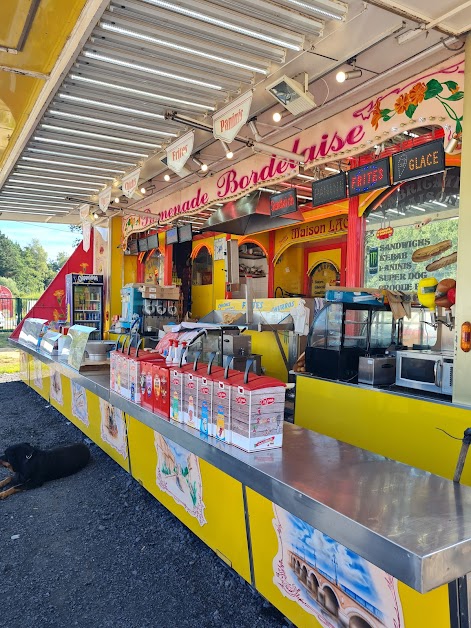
(99, 149)
(59, 208)
(72, 165)
(77, 174)
(59, 198)
(58, 192)
(172, 6)
(45, 151)
(107, 138)
(33, 177)
(335, 6)
(118, 125)
(108, 105)
(185, 49)
(41, 184)
(144, 68)
(32, 212)
(140, 92)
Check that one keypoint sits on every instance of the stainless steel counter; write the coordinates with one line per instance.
(414, 525)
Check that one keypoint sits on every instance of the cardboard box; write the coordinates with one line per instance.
(161, 389)
(257, 417)
(146, 380)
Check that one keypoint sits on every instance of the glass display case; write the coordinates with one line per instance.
(84, 297)
(342, 332)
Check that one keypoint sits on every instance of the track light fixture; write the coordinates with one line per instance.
(342, 76)
(201, 165)
(227, 150)
(253, 128)
(166, 177)
(116, 200)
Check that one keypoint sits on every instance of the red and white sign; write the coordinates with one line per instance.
(384, 233)
(179, 152)
(228, 121)
(130, 182)
(104, 199)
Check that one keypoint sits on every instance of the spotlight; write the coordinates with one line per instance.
(202, 166)
(343, 76)
(453, 143)
(143, 190)
(166, 177)
(277, 116)
(229, 153)
(95, 216)
(116, 200)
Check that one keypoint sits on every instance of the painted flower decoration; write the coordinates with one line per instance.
(407, 103)
(59, 294)
(402, 103)
(376, 114)
(417, 93)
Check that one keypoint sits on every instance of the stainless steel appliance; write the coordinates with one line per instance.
(377, 370)
(430, 371)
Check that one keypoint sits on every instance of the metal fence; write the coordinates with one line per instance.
(12, 311)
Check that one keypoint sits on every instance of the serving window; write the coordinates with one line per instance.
(412, 233)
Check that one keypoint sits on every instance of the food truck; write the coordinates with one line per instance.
(223, 296)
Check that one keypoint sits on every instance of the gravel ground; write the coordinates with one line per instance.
(96, 550)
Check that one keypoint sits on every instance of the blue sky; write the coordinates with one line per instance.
(53, 237)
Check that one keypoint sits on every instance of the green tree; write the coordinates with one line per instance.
(57, 263)
(10, 283)
(35, 274)
(10, 257)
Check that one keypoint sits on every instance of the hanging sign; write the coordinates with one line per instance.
(419, 161)
(228, 121)
(130, 182)
(104, 199)
(283, 203)
(179, 152)
(373, 176)
(86, 234)
(84, 211)
(329, 189)
(384, 233)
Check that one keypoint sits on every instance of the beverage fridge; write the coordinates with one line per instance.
(84, 297)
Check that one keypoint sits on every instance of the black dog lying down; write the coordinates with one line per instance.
(32, 466)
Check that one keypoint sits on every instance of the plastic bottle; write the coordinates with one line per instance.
(170, 354)
(177, 353)
(183, 354)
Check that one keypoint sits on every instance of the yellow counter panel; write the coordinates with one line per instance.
(400, 427)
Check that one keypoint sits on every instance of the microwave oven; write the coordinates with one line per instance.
(430, 371)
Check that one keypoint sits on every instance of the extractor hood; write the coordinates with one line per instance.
(248, 215)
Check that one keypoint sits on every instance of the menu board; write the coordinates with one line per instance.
(329, 189)
(74, 345)
(283, 203)
(419, 161)
(171, 236)
(372, 176)
(185, 233)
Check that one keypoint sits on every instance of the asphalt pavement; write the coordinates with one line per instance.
(97, 550)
